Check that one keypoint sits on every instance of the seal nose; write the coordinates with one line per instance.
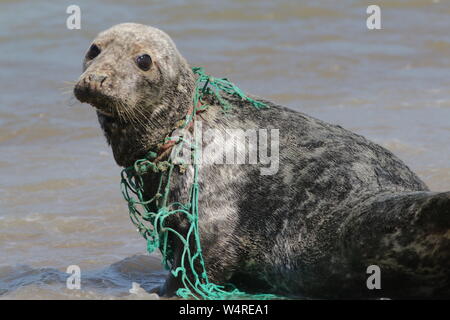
(89, 86)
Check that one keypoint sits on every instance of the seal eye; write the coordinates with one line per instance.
(144, 62)
(93, 52)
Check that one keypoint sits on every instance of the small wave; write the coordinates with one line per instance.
(139, 273)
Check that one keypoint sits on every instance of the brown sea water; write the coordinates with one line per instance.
(60, 202)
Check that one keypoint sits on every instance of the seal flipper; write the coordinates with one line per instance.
(408, 236)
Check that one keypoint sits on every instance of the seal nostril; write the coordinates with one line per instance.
(102, 80)
(99, 78)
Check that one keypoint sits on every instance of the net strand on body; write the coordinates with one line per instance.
(151, 224)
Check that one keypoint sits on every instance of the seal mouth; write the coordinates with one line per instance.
(103, 112)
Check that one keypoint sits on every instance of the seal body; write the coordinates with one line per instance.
(336, 205)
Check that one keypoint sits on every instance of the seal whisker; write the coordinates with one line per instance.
(141, 117)
(133, 115)
(122, 116)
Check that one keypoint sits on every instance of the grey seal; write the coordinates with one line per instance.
(338, 203)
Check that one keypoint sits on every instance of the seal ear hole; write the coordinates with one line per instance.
(144, 62)
(93, 51)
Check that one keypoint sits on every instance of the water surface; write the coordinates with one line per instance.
(60, 202)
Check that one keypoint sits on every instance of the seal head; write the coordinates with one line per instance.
(140, 85)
